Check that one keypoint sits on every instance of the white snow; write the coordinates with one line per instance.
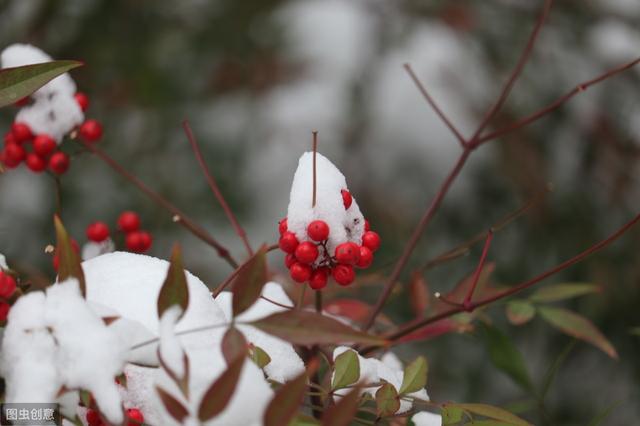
(344, 225)
(92, 249)
(425, 418)
(3, 262)
(373, 371)
(170, 349)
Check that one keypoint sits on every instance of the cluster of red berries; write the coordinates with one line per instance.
(310, 261)
(134, 417)
(136, 240)
(7, 289)
(40, 152)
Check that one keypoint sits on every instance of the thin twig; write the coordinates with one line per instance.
(315, 150)
(318, 302)
(182, 218)
(276, 303)
(213, 185)
(476, 276)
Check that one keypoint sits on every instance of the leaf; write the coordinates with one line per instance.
(451, 415)
(181, 382)
(419, 294)
(174, 290)
(344, 410)
(491, 412)
(557, 292)
(19, 82)
(506, 357)
(438, 328)
(173, 406)
(233, 344)
(286, 402)
(69, 265)
(260, 357)
(635, 331)
(304, 420)
(347, 369)
(598, 419)
(310, 328)
(219, 394)
(520, 311)
(248, 284)
(387, 400)
(415, 376)
(577, 326)
(553, 369)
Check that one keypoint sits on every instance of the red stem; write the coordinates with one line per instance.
(183, 219)
(476, 276)
(213, 185)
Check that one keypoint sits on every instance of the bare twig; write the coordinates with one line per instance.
(213, 185)
(476, 276)
(315, 150)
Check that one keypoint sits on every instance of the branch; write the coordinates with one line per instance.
(213, 185)
(557, 103)
(476, 276)
(179, 216)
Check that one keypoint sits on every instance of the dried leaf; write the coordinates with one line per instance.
(415, 376)
(69, 265)
(174, 290)
(346, 369)
(248, 284)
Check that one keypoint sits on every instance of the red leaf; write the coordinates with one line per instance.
(233, 344)
(247, 286)
(431, 331)
(343, 411)
(220, 392)
(353, 309)
(286, 402)
(419, 294)
(173, 406)
(174, 290)
(69, 266)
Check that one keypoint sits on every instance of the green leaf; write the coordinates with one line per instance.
(577, 326)
(506, 357)
(344, 410)
(387, 400)
(347, 369)
(172, 405)
(557, 292)
(219, 394)
(553, 369)
(415, 376)
(260, 357)
(233, 344)
(174, 290)
(286, 402)
(520, 311)
(69, 262)
(19, 82)
(310, 328)
(491, 412)
(451, 415)
(248, 284)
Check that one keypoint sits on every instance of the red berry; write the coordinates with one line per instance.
(43, 145)
(288, 242)
(82, 100)
(93, 418)
(14, 154)
(9, 138)
(135, 417)
(367, 225)
(282, 226)
(91, 130)
(300, 272)
(318, 230)
(319, 278)
(138, 241)
(371, 240)
(7, 285)
(35, 163)
(347, 199)
(4, 310)
(347, 253)
(289, 260)
(366, 258)
(343, 274)
(306, 252)
(98, 232)
(21, 132)
(59, 163)
(128, 221)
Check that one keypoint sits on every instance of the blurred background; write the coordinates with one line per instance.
(255, 78)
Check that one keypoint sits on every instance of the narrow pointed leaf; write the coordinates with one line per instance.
(557, 292)
(69, 262)
(19, 82)
(344, 410)
(577, 326)
(310, 328)
(286, 402)
(347, 369)
(233, 344)
(492, 412)
(415, 376)
(260, 357)
(248, 284)
(419, 292)
(172, 405)
(219, 394)
(520, 311)
(506, 357)
(174, 290)
(553, 369)
(387, 400)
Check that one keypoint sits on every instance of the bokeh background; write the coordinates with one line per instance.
(255, 78)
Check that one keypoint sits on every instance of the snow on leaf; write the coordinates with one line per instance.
(174, 290)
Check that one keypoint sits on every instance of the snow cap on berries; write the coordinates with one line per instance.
(3, 263)
(344, 224)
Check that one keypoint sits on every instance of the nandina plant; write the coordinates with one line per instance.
(248, 351)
